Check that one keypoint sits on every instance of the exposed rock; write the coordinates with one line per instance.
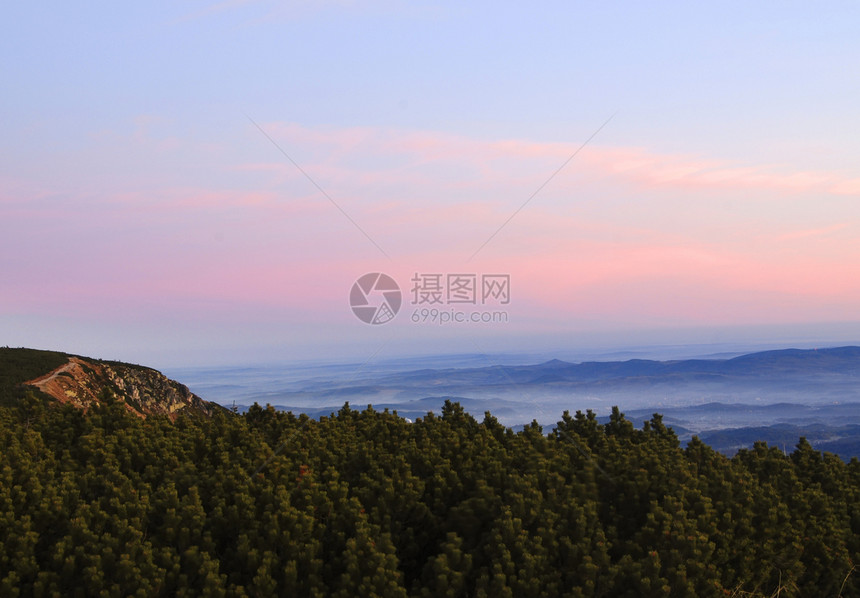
(84, 382)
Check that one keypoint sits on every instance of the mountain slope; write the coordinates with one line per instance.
(83, 382)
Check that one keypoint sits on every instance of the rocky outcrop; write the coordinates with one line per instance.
(144, 391)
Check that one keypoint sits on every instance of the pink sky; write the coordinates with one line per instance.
(623, 234)
(144, 217)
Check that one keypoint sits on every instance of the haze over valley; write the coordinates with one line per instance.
(813, 392)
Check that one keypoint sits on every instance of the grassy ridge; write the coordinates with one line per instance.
(20, 365)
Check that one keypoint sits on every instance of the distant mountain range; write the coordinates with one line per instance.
(771, 395)
(542, 391)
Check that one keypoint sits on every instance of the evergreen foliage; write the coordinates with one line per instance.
(364, 503)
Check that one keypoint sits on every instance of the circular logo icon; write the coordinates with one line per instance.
(375, 298)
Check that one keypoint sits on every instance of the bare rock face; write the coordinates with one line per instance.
(84, 382)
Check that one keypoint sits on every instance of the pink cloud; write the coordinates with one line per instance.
(813, 232)
(622, 231)
(512, 160)
(688, 172)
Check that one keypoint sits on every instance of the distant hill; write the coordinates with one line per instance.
(521, 393)
(839, 360)
(731, 402)
(83, 382)
(841, 440)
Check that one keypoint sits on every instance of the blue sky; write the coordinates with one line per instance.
(144, 216)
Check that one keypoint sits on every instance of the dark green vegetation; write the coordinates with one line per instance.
(21, 365)
(367, 504)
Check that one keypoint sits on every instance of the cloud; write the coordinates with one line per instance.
(621, 230)
(655, 170)
(813, 232)
(515, 160)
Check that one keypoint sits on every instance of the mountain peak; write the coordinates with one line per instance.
(554, 363)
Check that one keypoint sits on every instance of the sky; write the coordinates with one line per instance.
(203, 183)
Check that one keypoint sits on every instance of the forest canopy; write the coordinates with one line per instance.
(365, 503)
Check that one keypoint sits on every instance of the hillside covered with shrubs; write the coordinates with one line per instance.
(365, 503)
